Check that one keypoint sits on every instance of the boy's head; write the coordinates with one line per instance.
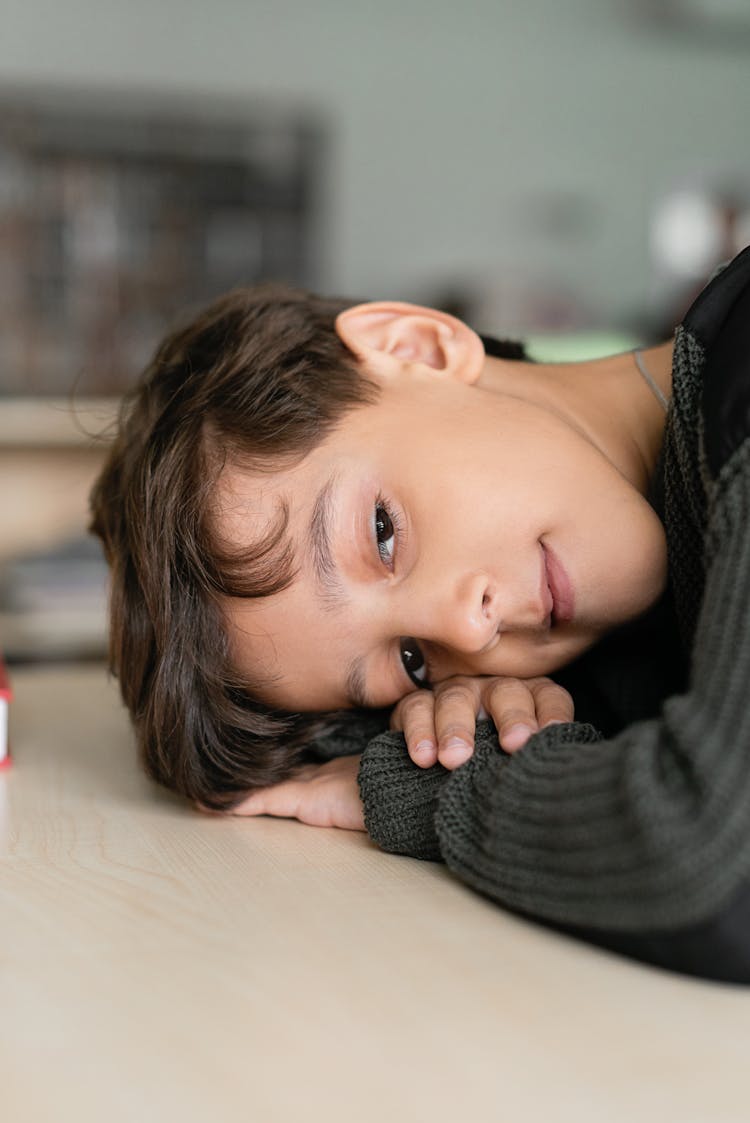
(312, 505)
(257, 379)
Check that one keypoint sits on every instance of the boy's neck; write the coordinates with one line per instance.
(608, 400)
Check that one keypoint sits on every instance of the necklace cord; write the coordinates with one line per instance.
(640, 362)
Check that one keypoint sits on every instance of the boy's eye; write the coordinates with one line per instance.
(413, 660)
(384, 533)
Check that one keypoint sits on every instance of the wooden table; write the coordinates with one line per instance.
(159, 965)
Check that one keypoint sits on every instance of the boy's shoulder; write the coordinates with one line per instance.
(707, 315)
(719, 319)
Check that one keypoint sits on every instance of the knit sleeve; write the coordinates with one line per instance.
(650, 829)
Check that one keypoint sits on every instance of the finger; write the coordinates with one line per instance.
(250, 805)
(513, 710)
(415, 716)
(552, 702)
(280, 800)
(456, 706)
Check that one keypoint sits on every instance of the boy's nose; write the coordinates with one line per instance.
(467, 613)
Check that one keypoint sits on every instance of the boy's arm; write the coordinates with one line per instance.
(648, 830)
(327, 795)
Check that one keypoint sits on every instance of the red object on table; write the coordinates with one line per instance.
(5, 696)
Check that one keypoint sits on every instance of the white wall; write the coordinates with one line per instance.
(456, 124)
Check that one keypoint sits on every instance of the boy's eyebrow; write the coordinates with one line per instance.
(324, 567)
(330, 588)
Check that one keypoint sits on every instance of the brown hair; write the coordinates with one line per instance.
(260, 373)
(260, 376)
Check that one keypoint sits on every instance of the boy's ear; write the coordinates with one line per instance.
(391, 339)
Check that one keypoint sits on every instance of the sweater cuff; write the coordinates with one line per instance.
(400, 799)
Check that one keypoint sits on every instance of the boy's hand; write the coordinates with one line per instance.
(439, 724)
(323, 795)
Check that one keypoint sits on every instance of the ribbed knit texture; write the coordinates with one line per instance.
(649, 829)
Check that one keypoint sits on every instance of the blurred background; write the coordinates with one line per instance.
(569, 173)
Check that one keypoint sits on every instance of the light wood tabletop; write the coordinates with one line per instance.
(161, 965)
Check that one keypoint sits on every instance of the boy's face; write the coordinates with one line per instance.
(445, 516)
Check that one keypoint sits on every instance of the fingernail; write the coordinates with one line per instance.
(425, 747)
(517, 736)
(458, 748)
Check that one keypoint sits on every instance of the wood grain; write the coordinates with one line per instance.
(157, 964)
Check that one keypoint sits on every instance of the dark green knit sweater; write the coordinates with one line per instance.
(649, 828)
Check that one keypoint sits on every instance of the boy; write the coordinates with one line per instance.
(312, 507)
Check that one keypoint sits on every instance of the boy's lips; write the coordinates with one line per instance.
(547, 600)
(563, 598)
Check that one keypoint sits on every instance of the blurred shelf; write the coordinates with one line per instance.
(71, 635)
(56, 422)
(53, 603)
